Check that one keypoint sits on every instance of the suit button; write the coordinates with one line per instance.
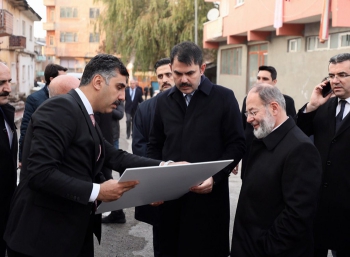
(325, 184)
(328, 163)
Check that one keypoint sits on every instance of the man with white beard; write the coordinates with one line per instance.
(279, 193)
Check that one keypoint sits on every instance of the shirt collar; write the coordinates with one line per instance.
(85, 101)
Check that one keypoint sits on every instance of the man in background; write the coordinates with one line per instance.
(8, 152)
(133, 96)
(62, 85)
(36, 99)
(143, 121)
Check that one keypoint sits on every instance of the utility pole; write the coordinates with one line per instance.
(195, 22)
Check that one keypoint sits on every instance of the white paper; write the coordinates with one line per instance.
(162, 183)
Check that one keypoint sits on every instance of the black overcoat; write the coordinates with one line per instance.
(209, 129)
(332, 224)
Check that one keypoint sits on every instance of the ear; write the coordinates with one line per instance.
(171, 67)
(274, 106)
(202, 68)
(97, 82)
(274, 81)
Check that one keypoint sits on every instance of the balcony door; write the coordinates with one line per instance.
(257, 56)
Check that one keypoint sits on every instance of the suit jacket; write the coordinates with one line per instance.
(50, 211)
(332, 223)
(142, 125)
(278, 197)
(248, 128)
(117, 115)
(8, 160)
(32, 103)
(131, 105)
(208, 129)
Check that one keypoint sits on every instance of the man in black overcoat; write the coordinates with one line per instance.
(196, 121)
(328, 120)
(279, 192)
(268, 75)
(8, 152)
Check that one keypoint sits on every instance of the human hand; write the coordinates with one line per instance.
(316, 99)
(205, 188)
(112, 190)
(235, 170)
(156, 203)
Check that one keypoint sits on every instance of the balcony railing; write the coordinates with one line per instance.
(40, 58)
(213, 29)
(6, 23)
(49, 2)
(49, 26)
(50, 51)
(18, 42)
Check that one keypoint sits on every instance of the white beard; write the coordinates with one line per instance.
(266, 126)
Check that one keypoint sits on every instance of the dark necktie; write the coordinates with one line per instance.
(339, 117)
(2, 123)
(92, 117)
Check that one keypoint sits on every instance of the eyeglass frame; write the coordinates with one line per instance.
(251, 113)
(339, 76)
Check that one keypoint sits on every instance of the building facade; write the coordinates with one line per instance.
(280, 33)
(17, 43)
(71, 40)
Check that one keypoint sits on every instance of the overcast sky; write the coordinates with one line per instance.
(40, 9)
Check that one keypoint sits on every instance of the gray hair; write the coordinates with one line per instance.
(340, 58)
(268, 94)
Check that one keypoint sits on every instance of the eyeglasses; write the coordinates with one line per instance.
(338, 76)
(251, 113)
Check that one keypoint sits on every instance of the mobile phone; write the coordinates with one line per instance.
(327, 89)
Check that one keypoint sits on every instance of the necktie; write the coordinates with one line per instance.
(3, 124)
(188, 98)
(92, 117)
(339, 117)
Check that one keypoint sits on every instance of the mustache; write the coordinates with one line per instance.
(118, 102)
(4, 94)
(166, 84)
(185, 85)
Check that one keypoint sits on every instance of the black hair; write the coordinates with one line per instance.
(270, 69)
(104, 65)
(51, 71)
(161, 62)
(188, 53)
(340, 58)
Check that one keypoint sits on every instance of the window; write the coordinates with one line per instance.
(240, 2)
(52, 15)
(294, 45)
(344, 39)
(94, 38)
(30, 32)
(51, 42)
(23, 28)
(231, 61)
(68, 37)
(94, 13)
(69, 12)
(314, 44)
(335, 41)
(23, 72)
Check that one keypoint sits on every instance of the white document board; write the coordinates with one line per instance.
(162, 183)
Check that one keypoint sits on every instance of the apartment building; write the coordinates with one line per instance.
(282, 33)
(71, 40)
(17, 43)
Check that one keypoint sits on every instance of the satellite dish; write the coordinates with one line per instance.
(213, 14)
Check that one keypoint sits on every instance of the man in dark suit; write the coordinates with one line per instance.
(36, 99)
(327, 119)
(133, 96)
(266, 74)
(279, 193)
(52, 212)
(143, 122)
(8, 152)
(196, 121)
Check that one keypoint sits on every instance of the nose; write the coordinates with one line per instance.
(184, 79)
(250, 118)
(121, 96)
(6, 87)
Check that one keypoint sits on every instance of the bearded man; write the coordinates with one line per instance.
(279, 193)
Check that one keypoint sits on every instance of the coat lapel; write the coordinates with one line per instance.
(344, 125)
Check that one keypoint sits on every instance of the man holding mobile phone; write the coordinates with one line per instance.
(327, 119)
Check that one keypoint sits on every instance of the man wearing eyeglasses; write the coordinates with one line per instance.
(268, 75)
(327, 119)
(278, 198)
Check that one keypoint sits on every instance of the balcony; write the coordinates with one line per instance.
(50, 51)
(6, 23)
(49, 2)
(213, 29)
(49, 26)
(17, 42)
(40, 58)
